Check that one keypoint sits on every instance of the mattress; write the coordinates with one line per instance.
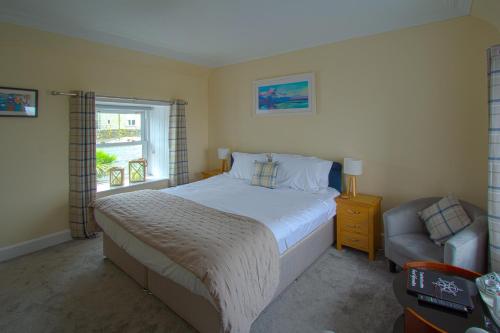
(291, 215)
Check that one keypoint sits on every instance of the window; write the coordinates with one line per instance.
(129, 131)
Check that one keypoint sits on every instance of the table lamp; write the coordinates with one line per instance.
(223, 153)
(352, 168)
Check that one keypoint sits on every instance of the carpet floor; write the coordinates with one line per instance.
(72, 288)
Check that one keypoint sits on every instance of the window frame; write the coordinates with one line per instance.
(149, 111)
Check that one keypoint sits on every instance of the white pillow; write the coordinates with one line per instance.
(303, 173)
(244, 164)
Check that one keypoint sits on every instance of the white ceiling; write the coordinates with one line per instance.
(220, 32)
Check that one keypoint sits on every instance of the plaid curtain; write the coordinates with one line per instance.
(82, 178)
(177, 141)
(494, 158)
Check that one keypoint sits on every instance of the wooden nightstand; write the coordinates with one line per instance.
(210, 173)
(358, 223)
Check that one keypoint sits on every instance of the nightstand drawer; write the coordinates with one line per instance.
(355, 240)
(354, 214)
(358, 227)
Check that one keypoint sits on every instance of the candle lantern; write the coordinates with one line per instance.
(116, 176)
(137, 170)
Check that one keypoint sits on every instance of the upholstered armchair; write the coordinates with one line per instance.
(407, 239)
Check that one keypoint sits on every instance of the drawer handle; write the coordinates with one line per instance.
(355, 226)
(354, 240)
(355, 212)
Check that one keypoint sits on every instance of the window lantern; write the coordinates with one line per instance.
(137, 170)
(116, 176)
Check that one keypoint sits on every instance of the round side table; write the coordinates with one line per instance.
(448, 320)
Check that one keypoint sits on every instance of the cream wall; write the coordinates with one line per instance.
(410, 103)
(488, 10)
(34, 152)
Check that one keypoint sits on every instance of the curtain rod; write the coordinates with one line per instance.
(170, 102)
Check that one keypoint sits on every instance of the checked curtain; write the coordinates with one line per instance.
(494, 158)
(177, 139)
(82, 163)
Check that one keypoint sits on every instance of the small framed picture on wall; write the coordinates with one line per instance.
(293, 94)
(18, 102)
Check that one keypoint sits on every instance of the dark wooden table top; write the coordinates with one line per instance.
(449, 320)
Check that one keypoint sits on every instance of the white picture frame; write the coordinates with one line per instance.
(285, 95)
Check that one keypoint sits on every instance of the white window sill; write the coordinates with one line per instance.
(104, 189)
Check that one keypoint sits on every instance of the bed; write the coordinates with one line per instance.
(302, 224)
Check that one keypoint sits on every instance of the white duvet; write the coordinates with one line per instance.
(290, 214)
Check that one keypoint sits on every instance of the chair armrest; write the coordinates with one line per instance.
(404, 219)
(467, 249)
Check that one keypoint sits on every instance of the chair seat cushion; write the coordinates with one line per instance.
(416, 247)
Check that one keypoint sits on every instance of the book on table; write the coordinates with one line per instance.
(452, 289)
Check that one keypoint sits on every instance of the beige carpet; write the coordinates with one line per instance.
(72, 288)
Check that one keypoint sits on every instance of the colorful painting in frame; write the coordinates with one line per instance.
(17, 102)
(292, 94)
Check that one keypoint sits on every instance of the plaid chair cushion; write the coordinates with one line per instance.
(444, 219)
(264, 174)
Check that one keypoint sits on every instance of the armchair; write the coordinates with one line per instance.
(406, 238)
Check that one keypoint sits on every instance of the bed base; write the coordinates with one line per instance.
(195, 309)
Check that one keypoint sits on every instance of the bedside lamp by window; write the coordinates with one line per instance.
(223, 153)
(352, 168)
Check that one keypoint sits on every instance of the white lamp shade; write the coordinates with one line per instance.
(223, 153)
(353, 167)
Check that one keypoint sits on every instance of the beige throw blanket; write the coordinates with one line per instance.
(235, 257)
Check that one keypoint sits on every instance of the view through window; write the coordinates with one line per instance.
(129, 131)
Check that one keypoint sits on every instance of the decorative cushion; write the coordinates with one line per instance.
(265, 174)
(444, 219)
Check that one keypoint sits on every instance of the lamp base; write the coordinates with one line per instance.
(224, 166)
(351, 187)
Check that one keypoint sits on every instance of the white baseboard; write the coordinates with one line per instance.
(16, 250)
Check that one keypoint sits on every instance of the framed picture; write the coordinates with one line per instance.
(16, 102)
(292, 94)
